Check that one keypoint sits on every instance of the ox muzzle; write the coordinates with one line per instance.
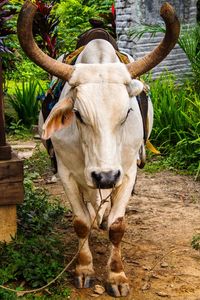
(105, 180)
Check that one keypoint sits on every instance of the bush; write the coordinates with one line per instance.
(36, 255)
(176, 127)
(196, 242)
(26, 70)
(36, 260)
(189, 41)
(24, 103)
(74, 18)
(36, 214)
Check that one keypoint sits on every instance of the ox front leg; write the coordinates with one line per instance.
(117, 283)
(84, 272)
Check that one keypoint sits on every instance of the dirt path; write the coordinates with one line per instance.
(162, 218)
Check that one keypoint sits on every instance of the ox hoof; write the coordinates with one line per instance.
(103, 225)
(120, 290)
(83, 282)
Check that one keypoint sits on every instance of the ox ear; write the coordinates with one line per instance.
(135, 88)
(61, 116)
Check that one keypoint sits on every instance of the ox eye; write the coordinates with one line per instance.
(78, 116)
(130, 109)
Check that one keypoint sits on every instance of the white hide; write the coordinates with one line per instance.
(102, 137)
(103, 93)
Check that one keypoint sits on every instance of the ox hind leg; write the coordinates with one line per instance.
(84, 272)
(117, 283)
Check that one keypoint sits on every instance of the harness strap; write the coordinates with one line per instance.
(142, 100)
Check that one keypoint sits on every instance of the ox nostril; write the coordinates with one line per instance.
(105, 180)
(117, 175)
(96, 176)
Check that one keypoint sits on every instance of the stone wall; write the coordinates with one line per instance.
(132, 13)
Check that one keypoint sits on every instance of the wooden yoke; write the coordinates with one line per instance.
(11, 180)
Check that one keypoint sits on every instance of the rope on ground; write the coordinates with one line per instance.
(22, 293)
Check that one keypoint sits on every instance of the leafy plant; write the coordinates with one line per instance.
(74, 18)
(18, 130)
(176, 127)
(36, 214)
(5, 30)
(26, 70)
(35, 260)
(25, 104)
(189, 41)
(45, 25)
(7, 12)
(177, 105)
(196, 242)
(38, 164)
(36, 255)
(44, 29)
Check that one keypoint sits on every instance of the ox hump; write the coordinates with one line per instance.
(100, 73)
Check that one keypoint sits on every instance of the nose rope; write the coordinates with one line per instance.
(105, 199)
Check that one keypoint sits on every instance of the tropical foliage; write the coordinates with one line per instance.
(45, 26)
(6, 13)
(189, 41)
(74, 18)
(177, 104)
(36, 255)
(24, 105)
(176, 129)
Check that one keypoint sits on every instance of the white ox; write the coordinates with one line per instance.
(96, 130)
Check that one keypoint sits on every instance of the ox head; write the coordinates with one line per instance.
(99, 103)
(99, 99)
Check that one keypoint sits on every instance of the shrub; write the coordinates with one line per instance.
(35, 256)
(24, 103)
(74, 16)
(196, 242)
(26, 70)
(176, 122)
(36, 214)
(6, 14)
(189, 41)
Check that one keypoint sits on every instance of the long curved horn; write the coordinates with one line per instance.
(152, 59)
(25, 35)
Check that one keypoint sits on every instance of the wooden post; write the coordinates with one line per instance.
(11, 180)
(5, 150)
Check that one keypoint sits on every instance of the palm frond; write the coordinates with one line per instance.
(138, 31)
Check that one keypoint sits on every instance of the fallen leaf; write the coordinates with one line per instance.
(146, 286)
(162, 294)
(164, 264)
(99, 289)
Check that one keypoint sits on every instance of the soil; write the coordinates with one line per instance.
(162, 217)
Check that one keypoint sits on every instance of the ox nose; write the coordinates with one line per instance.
(105, 180)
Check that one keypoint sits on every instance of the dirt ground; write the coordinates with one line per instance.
(162, 217)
